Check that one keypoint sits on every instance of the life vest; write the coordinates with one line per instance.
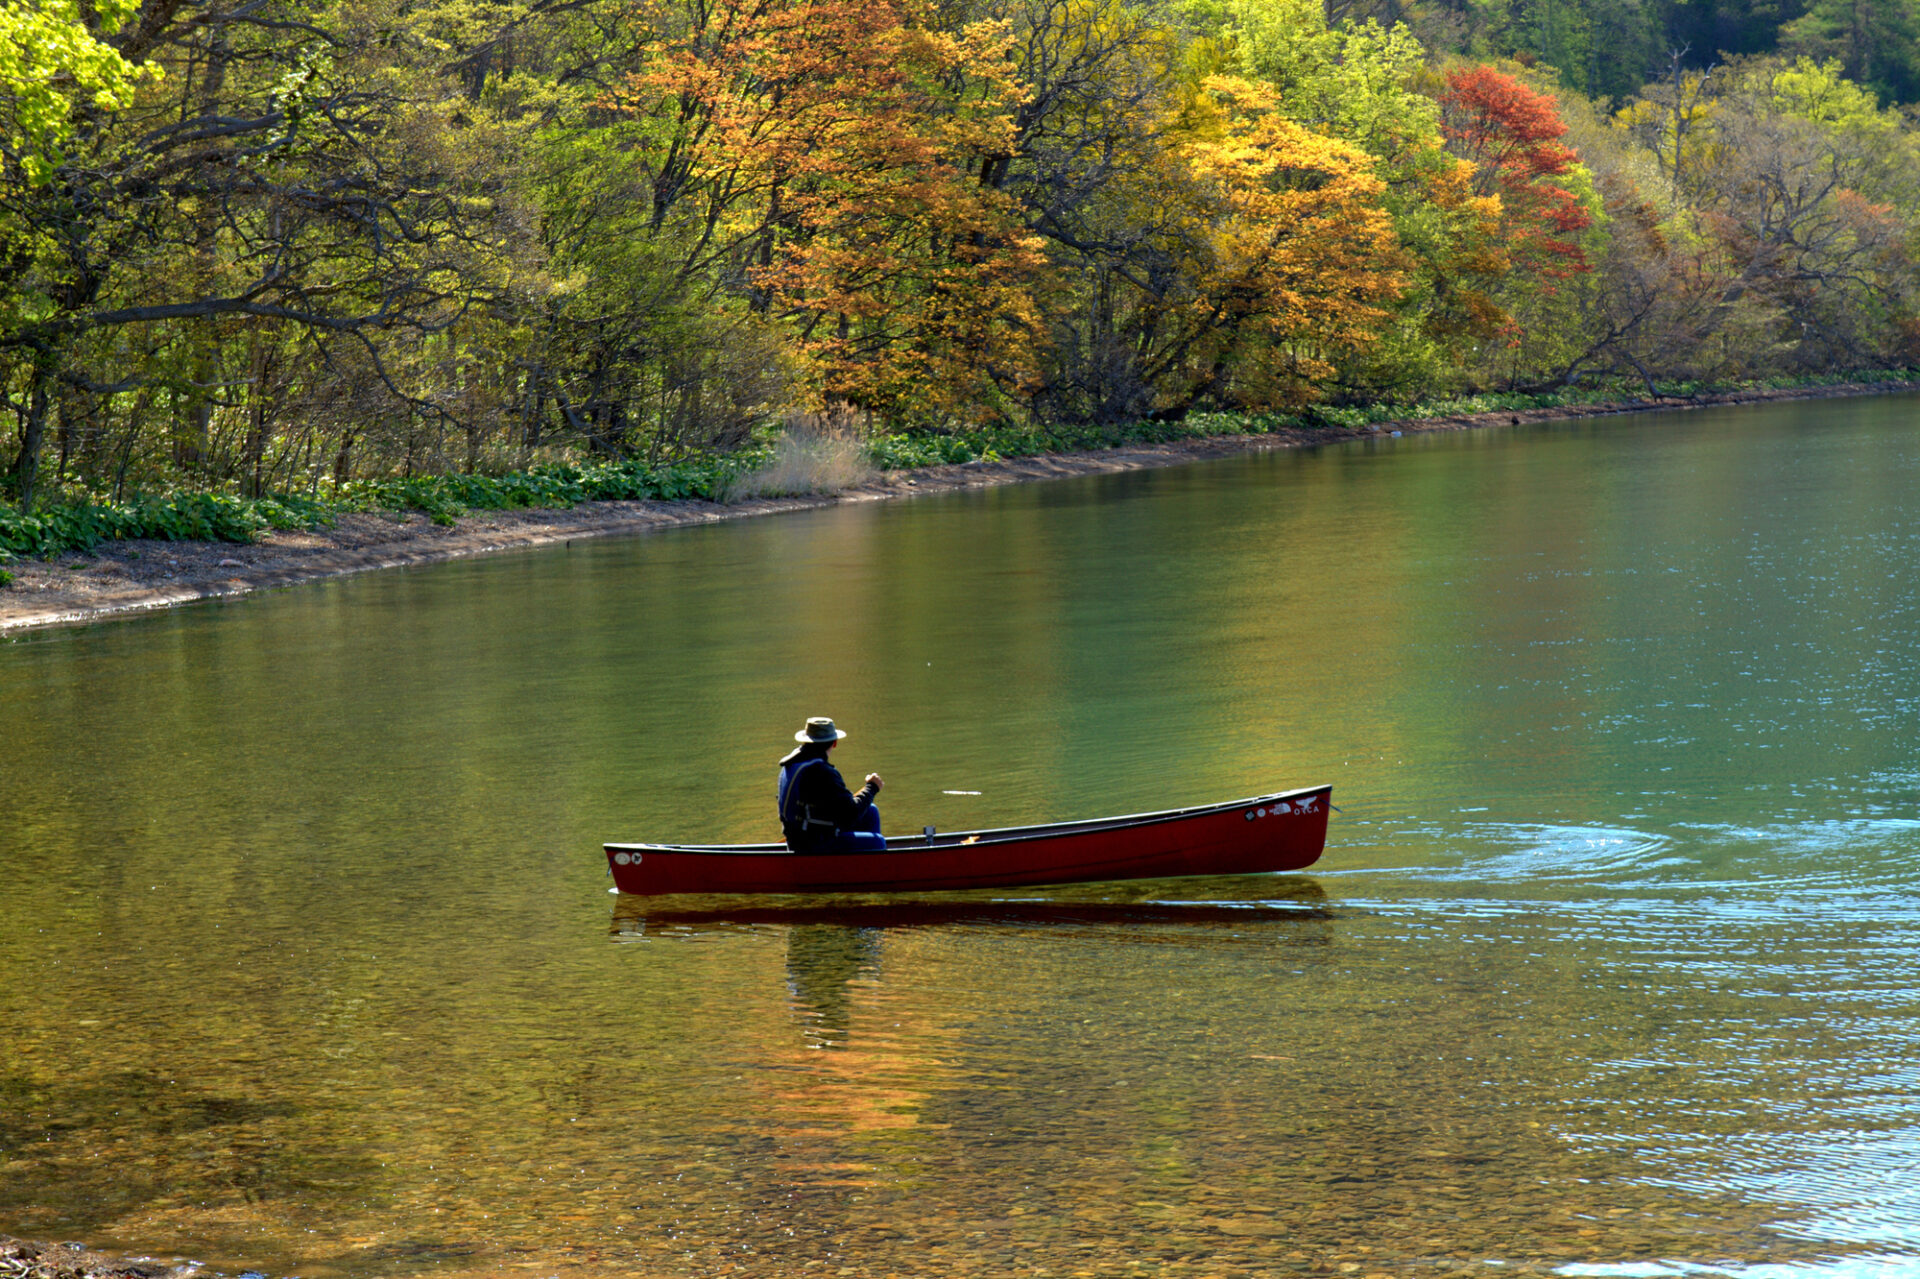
(797, 821)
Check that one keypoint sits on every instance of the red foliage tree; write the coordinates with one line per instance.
(1511, 134)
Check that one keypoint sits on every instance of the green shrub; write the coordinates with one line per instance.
(181, 517)
(219, 517)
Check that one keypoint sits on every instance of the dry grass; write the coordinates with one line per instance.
(816, 453)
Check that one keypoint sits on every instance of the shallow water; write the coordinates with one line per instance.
(308, 962)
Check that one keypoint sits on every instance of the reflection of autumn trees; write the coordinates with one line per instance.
(272, 250)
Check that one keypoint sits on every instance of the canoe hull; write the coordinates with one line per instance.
(1279, 832)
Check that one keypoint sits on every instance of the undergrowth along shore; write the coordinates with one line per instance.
(221, 517)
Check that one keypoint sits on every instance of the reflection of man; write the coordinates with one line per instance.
(817, 812)
(823, 960)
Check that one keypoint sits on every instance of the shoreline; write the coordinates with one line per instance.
(125, 578)
(25, 1259)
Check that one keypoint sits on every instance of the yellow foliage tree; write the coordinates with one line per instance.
(1294, 258)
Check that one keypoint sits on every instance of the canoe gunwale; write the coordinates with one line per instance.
(986, 838)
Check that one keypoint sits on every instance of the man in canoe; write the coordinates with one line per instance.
(817, 811)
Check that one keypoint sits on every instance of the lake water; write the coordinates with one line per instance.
(308, 962)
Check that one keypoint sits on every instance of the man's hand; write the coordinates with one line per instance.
(873, 780)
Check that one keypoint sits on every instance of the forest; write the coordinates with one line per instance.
(253, 247)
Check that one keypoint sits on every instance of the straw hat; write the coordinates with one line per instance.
(819, 730)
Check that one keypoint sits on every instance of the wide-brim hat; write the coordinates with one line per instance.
(819, 731)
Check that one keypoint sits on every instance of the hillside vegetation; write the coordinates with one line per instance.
(256, 248)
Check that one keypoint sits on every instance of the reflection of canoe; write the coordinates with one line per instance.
(1281, 901)
(1248, 836)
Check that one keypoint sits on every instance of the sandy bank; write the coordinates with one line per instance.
(127, 577)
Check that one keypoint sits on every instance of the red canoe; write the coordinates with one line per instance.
(1247, 836)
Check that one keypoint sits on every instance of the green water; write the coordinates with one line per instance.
(308, 962)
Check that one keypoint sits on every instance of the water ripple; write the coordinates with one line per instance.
(1890, 1266)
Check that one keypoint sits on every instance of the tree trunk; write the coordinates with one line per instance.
(343, 459)
(135, 421)
(259, 420)
(533, 410)
(26, 467)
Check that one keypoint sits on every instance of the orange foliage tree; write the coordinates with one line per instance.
(824, 155)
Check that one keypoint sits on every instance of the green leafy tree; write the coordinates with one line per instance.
(57, 74)
(56, 66)
(296, 182)
(1876, 42)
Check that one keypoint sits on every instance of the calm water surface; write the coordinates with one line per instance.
(1612, 967)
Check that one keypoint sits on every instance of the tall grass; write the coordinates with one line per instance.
(814, 453)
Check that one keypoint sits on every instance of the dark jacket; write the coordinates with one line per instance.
(815, 804)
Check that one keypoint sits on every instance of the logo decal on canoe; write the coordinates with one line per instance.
(623, 859)
(1275, 810)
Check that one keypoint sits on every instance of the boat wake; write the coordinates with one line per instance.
(1864, 855)
(1515, 852)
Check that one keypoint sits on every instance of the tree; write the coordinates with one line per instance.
(287, 177)
(1876, 42)
(55, 65)
(1104, 88)
(828, 157)
(56, 73)
(1672, 118)
(1783, 246)
(1291, 262)
(630, 348)
(1360, 83)
(1511, 135)
(1802, 213)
